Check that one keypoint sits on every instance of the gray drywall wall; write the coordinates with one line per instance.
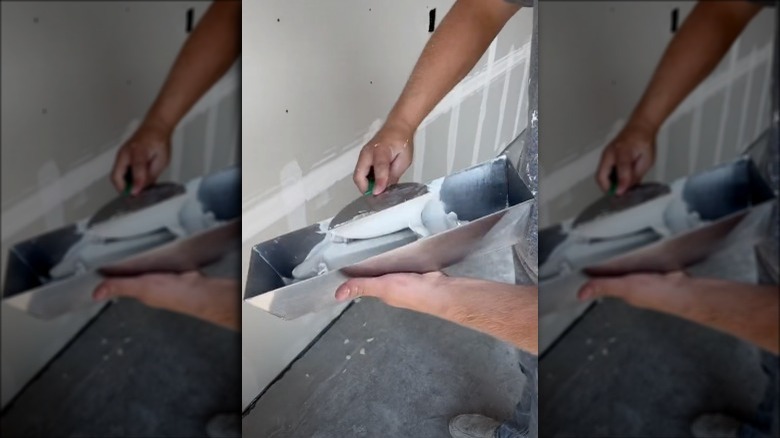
(318, 78)
(595, 60)
(77, 77)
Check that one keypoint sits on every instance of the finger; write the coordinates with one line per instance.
(121, 164)
(642, 164)
(362, 168)
(598, 288)
(191, 275)
(434, 275)
(114, 288)
(605, 167)
(625, 287)
(156, 167)
(381, 171)
(677, 275)
(398, 167)
(625, 173)
(140, 172)
(359, 287)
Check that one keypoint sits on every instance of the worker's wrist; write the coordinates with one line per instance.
(432, 298)
(158, 124)
(679, 298)
(222, 308)
(644, 123)
(400, 124)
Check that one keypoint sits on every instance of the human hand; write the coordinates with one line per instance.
(632, 153)
(215, 300)
(398, 290)
(389, 152)
(146, 153)
(646, 291)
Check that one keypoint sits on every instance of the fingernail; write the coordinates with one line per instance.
(342, 293)
(585, 293)
(101, 293)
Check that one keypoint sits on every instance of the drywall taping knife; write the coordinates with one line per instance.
(369, 203)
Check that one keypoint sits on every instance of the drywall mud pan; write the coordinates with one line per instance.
(29, 287)
(721, 197)
(490, 196)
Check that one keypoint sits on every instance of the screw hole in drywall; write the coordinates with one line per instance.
(278, 20)
(431, 19)
(675, 19)
(286, 111)
(190, 19)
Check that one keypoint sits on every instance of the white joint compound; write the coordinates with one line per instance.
(377, 233)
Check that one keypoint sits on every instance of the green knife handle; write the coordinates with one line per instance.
(371, 181)
(128, 181)
(613, 181)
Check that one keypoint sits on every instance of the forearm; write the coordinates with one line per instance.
(696, 49)
(505, 311)
(743, 310)
(452, 51)
(208, 53)
(221, 306)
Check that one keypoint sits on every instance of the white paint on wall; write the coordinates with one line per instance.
(211, 132)
(48, 174)
(452, 136)
(743, 108)
(293, 196)
(763, 102)
(502, 109)
(519, 113)
(693, 149)
(662, 145)
(419, 153)
(483, 104)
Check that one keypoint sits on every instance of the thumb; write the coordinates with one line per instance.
(358, 287)
(113, 288)
(605, 287)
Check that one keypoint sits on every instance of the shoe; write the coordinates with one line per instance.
(473, 426)
(715, 426)
(224, 426)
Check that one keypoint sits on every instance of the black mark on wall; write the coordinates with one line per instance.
(675, 19)
(190, 19)
(431, 19)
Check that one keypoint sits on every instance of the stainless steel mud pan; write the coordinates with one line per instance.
(718, 199)
(490, 196)
(29, 285)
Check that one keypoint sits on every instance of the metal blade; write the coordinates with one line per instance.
(367, 205)
(609, 204)
(126, 204)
